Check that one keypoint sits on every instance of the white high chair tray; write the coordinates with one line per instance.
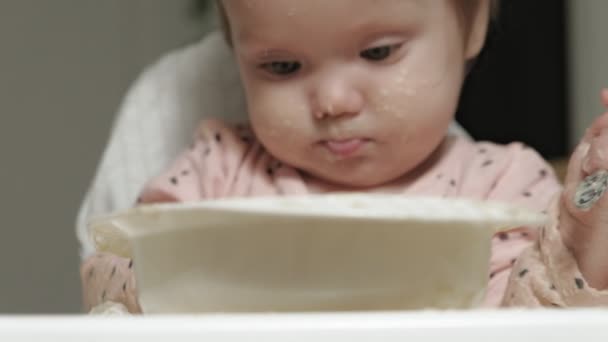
(326, 253)
(471, 326)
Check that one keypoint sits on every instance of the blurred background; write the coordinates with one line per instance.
(66, 64)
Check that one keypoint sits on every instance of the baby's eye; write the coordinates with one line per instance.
(281, 68)
(379, 53)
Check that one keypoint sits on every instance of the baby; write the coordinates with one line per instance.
(350, 95)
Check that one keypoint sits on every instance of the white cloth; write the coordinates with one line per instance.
(157, 119)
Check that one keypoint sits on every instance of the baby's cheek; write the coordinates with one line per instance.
(283, 127)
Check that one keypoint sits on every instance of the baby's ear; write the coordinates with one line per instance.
(478, 29)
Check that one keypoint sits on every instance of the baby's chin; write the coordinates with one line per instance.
(357, 184)
(359, 179)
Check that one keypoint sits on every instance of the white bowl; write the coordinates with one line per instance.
(315, 253)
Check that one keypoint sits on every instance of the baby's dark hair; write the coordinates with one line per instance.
(466, 10)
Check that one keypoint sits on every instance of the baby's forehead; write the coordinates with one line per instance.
(252, 17)
(347, 8)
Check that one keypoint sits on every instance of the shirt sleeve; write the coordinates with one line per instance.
(108, 278)
(531, 266)
(517, 175)
(547, 273)
(206, 170)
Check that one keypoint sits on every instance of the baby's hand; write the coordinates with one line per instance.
(584, 219)
(109, 278)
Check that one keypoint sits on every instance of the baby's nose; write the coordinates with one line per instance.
(337, 98)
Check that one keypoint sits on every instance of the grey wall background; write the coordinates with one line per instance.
(588, 55)
(64, 67)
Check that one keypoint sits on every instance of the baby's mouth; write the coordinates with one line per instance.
(345, 147)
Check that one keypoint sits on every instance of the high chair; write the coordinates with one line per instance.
(154, 123)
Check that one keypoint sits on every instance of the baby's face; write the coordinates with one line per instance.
(356, 92)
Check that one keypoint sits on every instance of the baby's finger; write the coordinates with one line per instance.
(588, 193)
(590, 155)
(598, 125)
(605, 97)
(576, 164)
(597, 156)
(575, 170)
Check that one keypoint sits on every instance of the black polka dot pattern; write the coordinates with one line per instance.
(503, 236)
(111, 274)
(580, 284)
(174, 180)
(218, 137)
(523, 272)
(273, 167)
(487, 163)
(542, 233)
